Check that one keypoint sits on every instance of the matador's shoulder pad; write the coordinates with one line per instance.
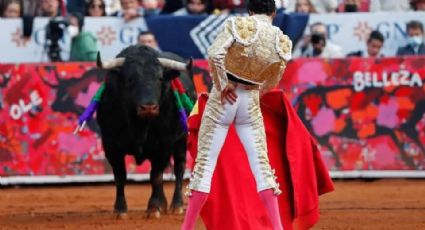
(244, 29)
(284, 46)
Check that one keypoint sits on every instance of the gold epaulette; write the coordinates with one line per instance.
(244, 30)
(284, 46)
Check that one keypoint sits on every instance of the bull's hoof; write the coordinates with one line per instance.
(121, 215)
(177, 210)
(153, 213)
(157, 214)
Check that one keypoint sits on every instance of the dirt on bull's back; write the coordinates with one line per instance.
(382, 204)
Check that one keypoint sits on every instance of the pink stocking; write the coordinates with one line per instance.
(270, 202)
(196, 202)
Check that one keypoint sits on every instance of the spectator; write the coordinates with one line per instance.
(280, 4)
(83, 43)
(51, 8)
(95, 8)
(227, 6)
(325, 6)
(171, 6)
(30, 7)
(318, 45)
(112, 6)
(415, 46)
(374, 45)
(130, 9)
(389, 5)
(193, 7)
(285, 5)
(304, 6)
(362, 5)
(418, 5)
(288, 5)
(2, 4)
(148, 38)
(351, 6)
(75, 5)
(12, 9)
(151, 7)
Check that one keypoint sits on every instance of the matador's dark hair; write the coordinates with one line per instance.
(267, 7)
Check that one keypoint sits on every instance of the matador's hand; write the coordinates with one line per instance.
(229, 94)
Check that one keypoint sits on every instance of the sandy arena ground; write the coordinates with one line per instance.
(381, 204)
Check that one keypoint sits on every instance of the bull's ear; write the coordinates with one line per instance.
(170, 74)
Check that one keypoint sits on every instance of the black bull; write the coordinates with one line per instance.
(138, 115)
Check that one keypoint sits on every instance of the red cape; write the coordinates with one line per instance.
(234, 202)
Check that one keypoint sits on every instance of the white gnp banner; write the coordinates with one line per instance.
(112, 34)
(351, 30)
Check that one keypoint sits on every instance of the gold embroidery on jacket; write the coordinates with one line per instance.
(262, 59)
(261, 145)
(212, 114)
(245, 29)
(251, 49)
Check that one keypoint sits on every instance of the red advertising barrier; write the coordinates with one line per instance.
(368, 116)
(39, 105)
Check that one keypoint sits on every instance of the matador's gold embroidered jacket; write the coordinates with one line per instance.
(251, 49)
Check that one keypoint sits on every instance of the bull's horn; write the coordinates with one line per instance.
(172, 64)
(116, 62)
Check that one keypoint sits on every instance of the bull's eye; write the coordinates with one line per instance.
(131, 81)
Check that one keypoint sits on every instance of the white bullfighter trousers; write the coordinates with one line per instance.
(217, 118)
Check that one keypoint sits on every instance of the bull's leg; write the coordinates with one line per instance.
(179, 168)
(120, 175)
(157, 202)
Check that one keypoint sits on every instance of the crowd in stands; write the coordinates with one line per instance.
(316, 44)
(129, 9)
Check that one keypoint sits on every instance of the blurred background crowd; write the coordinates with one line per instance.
(129, 9)
(314, 44)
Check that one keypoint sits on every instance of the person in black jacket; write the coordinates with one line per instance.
(374, 45)
(76, 6)
(415, 46)
(171, 6)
